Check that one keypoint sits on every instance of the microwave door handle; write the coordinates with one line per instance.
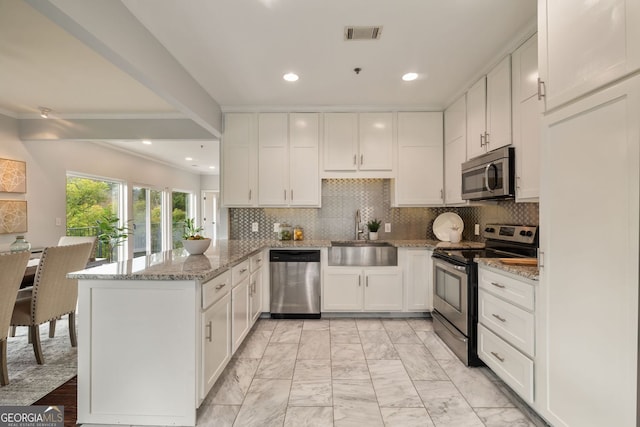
(486, 177)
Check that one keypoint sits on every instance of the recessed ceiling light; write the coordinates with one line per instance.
(188, 159)
(291, 77)
(410, 77)
(212, 167)
(44, 112)
(146, 142)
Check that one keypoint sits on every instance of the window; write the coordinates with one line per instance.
(147, 221)
(89, 200)
(182, 207)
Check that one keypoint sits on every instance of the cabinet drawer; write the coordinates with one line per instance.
(256, 261)
(240, 272)
(513, 367)
(511, 323)
(216, 288)
(508, 288)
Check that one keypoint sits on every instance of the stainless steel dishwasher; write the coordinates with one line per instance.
(295, 284)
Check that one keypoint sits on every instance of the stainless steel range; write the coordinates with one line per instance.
(455, 278)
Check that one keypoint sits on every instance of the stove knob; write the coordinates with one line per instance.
(489, 230)
(523, 233)
(529, 233)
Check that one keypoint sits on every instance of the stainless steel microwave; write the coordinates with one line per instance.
(490, 176)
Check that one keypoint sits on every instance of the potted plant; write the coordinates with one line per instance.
(373, 227)
(193, 242)
(110, 234)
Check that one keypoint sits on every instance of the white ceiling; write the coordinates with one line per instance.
(238, 50)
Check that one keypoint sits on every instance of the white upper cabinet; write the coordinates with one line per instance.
(455, 150)
(499, 106)
(340, 141)
(304, 168)
(240, 164)
(273, 159)
(358, 145)
(489, 111)
(288, 159)
(527, 120)
(585, 44)
(375, 141)
(419, 171)
(476, 118)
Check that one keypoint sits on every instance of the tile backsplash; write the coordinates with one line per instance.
(342, 197)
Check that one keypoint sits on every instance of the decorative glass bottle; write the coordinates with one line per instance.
(20, 245)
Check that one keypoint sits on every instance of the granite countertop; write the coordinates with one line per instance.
(221, 255)
(528, 272)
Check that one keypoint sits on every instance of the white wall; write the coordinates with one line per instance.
(48, 163)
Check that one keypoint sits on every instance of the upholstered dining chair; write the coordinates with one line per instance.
(53, 294)
(12, 268)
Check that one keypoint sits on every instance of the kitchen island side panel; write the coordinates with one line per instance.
(137, 353)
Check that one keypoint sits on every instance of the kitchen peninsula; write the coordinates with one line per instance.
(155, 332)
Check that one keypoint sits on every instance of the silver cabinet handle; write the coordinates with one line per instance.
(291, 195)
(209, 338)
(220, 286)
(285, 194)
(502, 319)
(366, 281)
(359, 281)
(361, 159)
(459, 268)
(498, 285)
(542, 90)
(497, 356)
(243, 270)
(354, 160)
(249, 194)
(486, 138)
(481, 140)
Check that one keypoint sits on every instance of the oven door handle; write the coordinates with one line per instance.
(486, 178)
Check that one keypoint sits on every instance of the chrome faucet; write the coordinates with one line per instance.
(358, 230)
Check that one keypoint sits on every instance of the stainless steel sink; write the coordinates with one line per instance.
(362, 253)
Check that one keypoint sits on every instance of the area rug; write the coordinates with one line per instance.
(29, 381)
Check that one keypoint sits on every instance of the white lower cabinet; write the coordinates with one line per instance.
(255, 286)
(240, 304)
(216, 348)
(506, 328)
(418, 269)
(357, 289)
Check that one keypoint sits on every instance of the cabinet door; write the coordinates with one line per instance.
(304, 168)
(527, 120)
(418, 281)
(419, 172)
(273, 159)
(476, 118)
(383, 289)
(455, 150)
(340, 142)
(375, 141)
(216, 338)
(499, 105)
(585, 45)
(240, 160)
(256, 295)
(342, 289)
(589, 193)
(240, 313)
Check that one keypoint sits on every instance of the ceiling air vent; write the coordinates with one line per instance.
(362, 33)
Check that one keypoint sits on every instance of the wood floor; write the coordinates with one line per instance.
(65, 395)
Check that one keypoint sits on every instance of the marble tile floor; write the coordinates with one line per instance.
(354, 372)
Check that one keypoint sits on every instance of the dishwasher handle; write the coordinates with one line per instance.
(296, 255)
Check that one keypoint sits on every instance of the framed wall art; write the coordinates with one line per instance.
(13, 216)
(13, 176)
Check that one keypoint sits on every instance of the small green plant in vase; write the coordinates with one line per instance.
(373, 226)
(193, 241)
